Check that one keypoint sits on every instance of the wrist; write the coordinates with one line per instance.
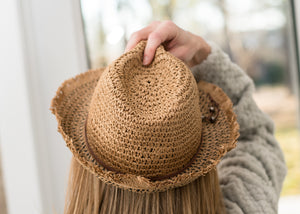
(202, 51)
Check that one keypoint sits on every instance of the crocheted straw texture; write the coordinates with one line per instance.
(145, 128)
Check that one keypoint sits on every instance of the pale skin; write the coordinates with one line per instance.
(190, 48)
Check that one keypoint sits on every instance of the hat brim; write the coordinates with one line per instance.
(71, 105)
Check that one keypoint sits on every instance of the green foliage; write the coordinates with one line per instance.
(290, 144)
(272, 73)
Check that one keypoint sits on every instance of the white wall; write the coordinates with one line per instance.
(41, 45)
(17, 146)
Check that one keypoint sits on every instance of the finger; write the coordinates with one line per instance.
(140, 35)
(135, 38)
(183, 53)
(164, 32)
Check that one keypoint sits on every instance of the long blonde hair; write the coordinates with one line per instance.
(86, 194)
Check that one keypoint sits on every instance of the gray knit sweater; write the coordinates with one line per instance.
(251, 175)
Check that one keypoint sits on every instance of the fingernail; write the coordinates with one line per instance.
(146, 60)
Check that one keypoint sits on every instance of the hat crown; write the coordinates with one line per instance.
(145, 120)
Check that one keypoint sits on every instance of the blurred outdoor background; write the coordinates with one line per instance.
(42, 43)
(257, 34)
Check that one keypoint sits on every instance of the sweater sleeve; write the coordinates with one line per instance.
(251, 175)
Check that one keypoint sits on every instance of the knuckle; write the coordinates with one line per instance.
(134, 35)
(155, 36)
(131, 38)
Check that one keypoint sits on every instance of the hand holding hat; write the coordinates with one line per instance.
(190, 48)
(145, 128)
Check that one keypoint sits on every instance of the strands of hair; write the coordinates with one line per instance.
(87, 194)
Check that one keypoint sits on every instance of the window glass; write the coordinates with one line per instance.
(257, 35)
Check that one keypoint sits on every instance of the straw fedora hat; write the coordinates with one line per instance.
(145, 128)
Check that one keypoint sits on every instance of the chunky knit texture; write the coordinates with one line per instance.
(252, 174)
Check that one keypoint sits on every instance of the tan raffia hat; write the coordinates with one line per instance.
(145, 128)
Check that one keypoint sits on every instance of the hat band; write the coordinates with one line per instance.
(214, 110)
(152, 178)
